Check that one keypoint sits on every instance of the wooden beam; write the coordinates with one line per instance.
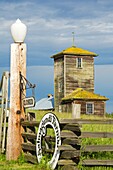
(97, 148)
(5, 106)
(30, 158)
(28, 147)
(18, 64)
(86, 121)
(97, 135)
(71, 122)
(70, 141)
(69, 154)
(66, 162)
(29, 135)
(68, 134)
(93, 162)
(66, 148)
(30, 123)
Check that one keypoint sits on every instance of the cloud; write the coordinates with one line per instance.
(50, 26)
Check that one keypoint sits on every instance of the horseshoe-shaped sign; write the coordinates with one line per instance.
(49, 120)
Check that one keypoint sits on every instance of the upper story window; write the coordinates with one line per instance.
(89, 108)
(79, 62)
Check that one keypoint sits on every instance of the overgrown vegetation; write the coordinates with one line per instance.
(21, 164)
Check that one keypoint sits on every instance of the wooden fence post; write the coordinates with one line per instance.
(18, 64)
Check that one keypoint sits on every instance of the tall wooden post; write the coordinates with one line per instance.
(18, 64)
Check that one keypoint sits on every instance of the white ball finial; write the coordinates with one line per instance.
(18, 31)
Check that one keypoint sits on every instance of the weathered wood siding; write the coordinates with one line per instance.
(67, 108)
(78, 77)
(58, 81)
(67, 77)
(99, 107)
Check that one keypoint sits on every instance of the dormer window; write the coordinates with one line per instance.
(79, 62)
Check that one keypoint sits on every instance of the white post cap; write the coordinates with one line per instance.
(18, 31)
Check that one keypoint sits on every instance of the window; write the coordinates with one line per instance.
(89, 108)
(79, 62)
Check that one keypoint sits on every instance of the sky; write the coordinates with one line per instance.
(49, 30)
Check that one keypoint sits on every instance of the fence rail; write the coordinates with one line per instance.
(71, 148)
(97, 162)
(87, 121)
(96, 134)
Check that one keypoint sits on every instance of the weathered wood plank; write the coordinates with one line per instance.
(93, 162)
(70, 154)
(30, 158)
(66, 148)
(69, 167)
(68, 134)
(72, 127)
(69, 126)
(29, 135)
(97, 135)
(86, 121)
(28, 147)
(71, 141)
(66, 162)
(63, 122)
(30, 123)
(97, 148)
(65, 135)
(32, 147)
(34, 135)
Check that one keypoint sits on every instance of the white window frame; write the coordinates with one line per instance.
(87, 112)
(77, 62)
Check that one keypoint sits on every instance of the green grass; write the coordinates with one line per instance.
(96, 168)
(20, 164)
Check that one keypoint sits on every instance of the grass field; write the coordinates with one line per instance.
(21, 164)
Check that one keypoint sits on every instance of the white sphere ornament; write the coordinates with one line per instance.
(18, 31)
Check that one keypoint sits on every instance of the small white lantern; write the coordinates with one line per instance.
(18, 31)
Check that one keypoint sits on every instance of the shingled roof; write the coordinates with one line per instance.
(75, 50)
(81, 94)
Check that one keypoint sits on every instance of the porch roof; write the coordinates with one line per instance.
(81, 94)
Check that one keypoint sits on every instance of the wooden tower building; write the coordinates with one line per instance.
(73, 69)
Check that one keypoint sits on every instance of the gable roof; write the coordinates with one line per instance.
(81, 94)
(75, 50)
